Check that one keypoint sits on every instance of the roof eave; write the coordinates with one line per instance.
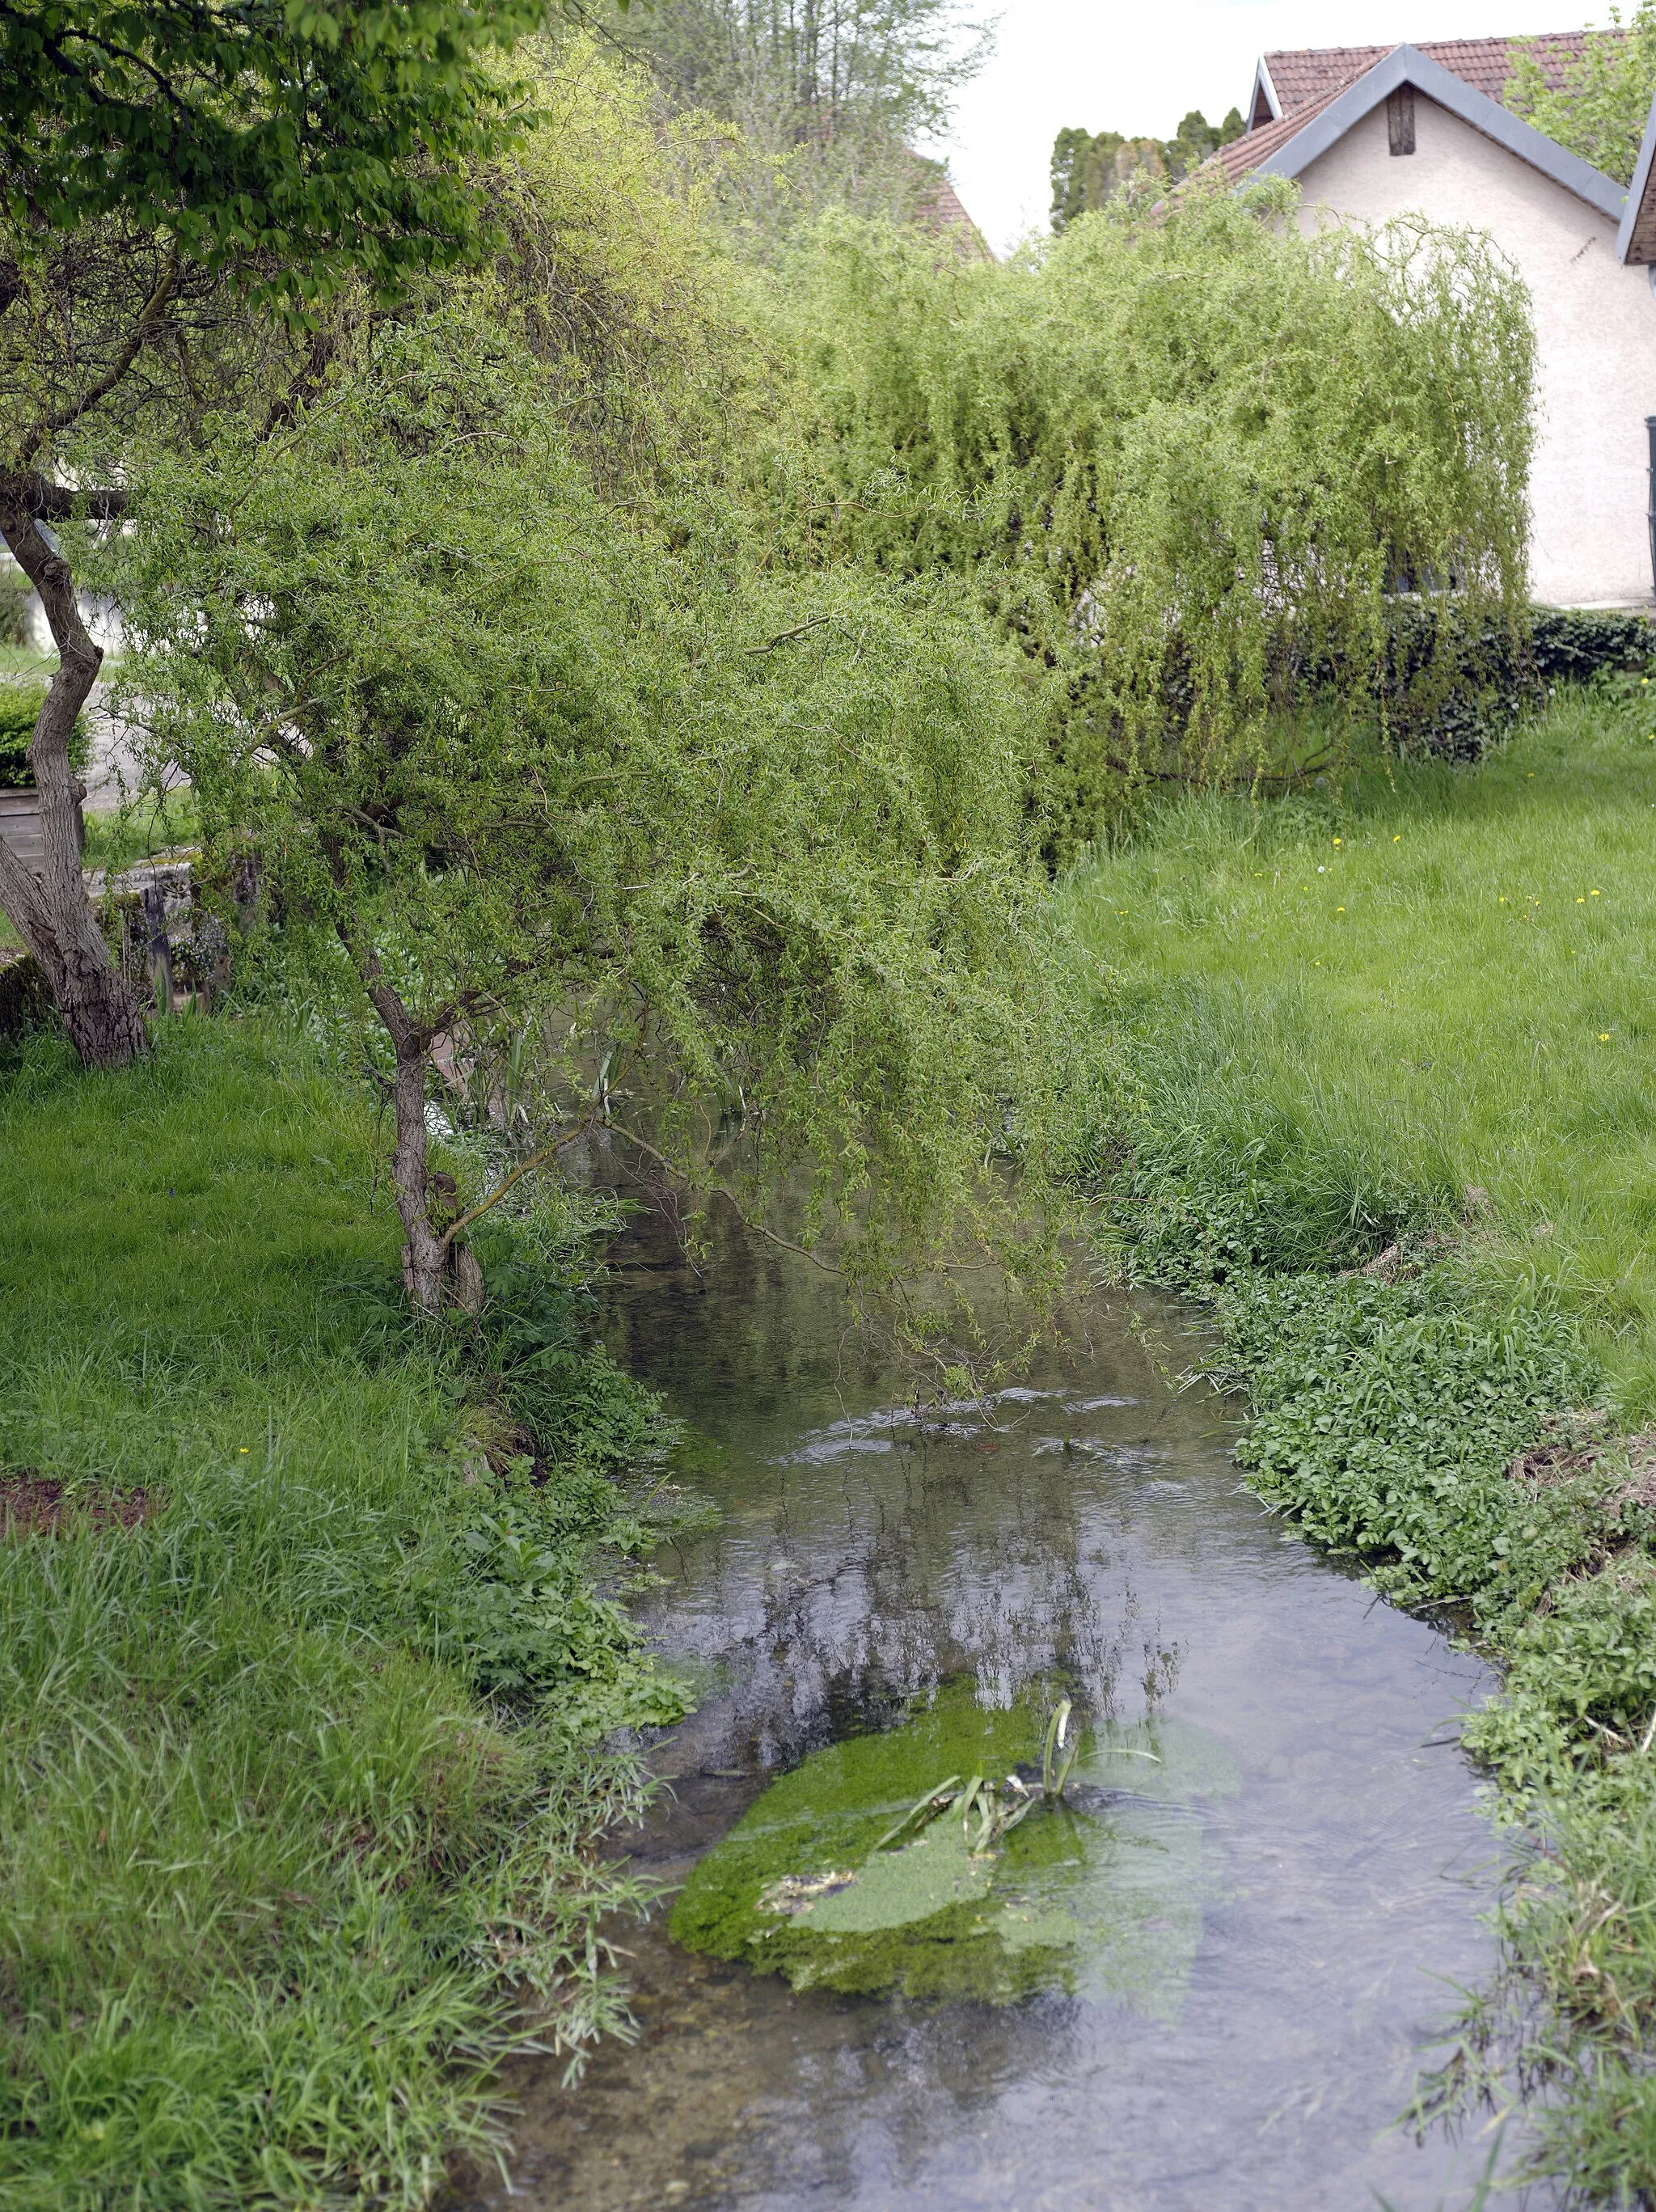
(1638, 189)
(1262, 84)
(1408, 65)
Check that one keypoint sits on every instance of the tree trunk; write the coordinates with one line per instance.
(435, 1271)
(50, 912)
(422, 1248)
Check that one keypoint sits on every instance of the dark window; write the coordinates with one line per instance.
(1400, 119)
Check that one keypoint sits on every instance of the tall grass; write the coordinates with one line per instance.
(275, 1872)
(1439, 979)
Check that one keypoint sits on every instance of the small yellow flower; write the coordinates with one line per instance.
(1604, 1035)
(1339, 909)
(1503, 901)
(1580, 902)
(1339, 840)
(244, 1451)
(1592, 894)
(1396, 841)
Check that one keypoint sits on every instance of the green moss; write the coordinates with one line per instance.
(1100, 1897)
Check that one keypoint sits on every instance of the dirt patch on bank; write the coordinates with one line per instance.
(36, 1505)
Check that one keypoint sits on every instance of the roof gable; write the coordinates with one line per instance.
(1357, 79)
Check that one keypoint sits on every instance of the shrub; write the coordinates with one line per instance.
(19, 704)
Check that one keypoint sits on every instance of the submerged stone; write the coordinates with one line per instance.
(1099, 1896)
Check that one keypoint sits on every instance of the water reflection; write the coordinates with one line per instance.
(1096, 1537)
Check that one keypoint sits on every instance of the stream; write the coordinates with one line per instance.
(1315, 1895)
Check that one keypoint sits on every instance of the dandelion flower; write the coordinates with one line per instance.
(1592, 894)
(1339, 840)
(1604, 1035)
(1339, 909)
(1580, 902)
(244, 1451)
(1398, 840)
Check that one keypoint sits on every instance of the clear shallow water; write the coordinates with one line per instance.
(1098, 1535)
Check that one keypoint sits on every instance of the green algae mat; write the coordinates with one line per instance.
(876, 1868)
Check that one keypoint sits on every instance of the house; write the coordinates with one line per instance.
(1374, 131)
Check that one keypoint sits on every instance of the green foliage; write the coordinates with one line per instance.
(275, 1872)
(824, 103)
(330, 139)
(1090, 170)
(19, 707)
(15, 629)
(1600, 107)
(1208, 413)
(756, 844)
(1376, 1080)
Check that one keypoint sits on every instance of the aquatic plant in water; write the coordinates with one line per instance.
(864, 1871)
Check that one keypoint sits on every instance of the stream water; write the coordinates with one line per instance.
(1094, 1536)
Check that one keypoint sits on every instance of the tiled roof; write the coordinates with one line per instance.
(1306, 77)
(1245, 154)
(940, 208)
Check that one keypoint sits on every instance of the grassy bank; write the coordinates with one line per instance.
(1384, 1087)
(300, 1665)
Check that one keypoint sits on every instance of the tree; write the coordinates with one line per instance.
(1184, 458)
(161, 162)
(1599, 104)
(1091, 171)
(830, 97)
(738, 855)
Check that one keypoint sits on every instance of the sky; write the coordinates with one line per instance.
(1138, 66)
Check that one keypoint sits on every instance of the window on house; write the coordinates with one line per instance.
(1400, 119)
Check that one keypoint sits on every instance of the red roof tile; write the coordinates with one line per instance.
(1306, 75)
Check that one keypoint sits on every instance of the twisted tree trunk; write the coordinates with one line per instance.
(49, 912)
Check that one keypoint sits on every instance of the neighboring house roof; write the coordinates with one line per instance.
(1300, 77)
(940, 208)
(1330, 105)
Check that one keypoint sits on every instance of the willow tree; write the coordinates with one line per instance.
(1177, 455)
(166, 165)
(744, 853)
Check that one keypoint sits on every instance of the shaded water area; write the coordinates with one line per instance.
(1314, 1887)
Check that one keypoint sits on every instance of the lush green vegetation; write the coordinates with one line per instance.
(1182, 463)
(299, 1658)
(1089, 169)
(1601, 104)
(1379, 1081)
(648, 685)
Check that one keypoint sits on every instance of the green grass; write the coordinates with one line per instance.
(295, 1800)
(1441, 980)
(1418, 1014)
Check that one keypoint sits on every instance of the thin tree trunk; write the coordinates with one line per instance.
(423, 1255)
(50, 912)
(436, 1270)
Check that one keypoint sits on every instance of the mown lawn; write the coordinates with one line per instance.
(1440, 979)
(293, 1791)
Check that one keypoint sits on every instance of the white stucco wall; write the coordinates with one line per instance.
(1595, 331)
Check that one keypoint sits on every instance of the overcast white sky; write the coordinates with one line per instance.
(1115, 65)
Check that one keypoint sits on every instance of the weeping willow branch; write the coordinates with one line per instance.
(723, 1190)
(524, 1167)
